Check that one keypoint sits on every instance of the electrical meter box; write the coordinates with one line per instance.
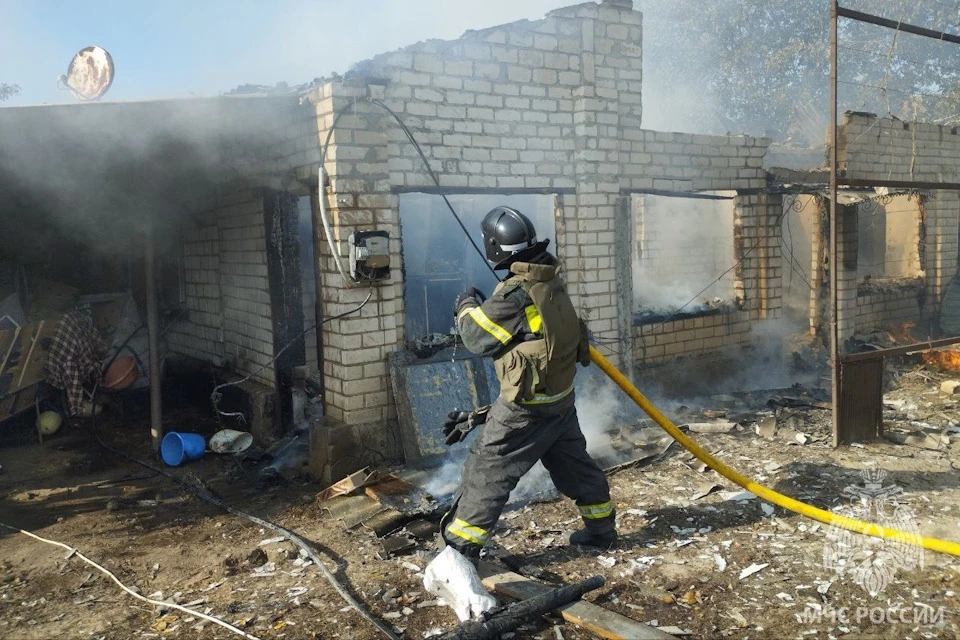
(369, 255)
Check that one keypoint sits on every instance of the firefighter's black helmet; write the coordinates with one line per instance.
(509, 236)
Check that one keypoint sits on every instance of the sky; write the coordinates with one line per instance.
(179, 48)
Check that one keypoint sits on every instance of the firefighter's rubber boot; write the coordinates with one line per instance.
(604, 539)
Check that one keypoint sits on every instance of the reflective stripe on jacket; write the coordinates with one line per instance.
(530, 328)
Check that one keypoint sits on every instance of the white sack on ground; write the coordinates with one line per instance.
(454, 579)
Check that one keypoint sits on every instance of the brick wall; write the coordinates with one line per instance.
(886, 309)
(551, 105)
(847, 279)
(200, 333)
(940, 212)
(872, 148)
(228, 297)
(355, 348)
(685, 161)
(229, 319)
(757, 270)
(691, 336)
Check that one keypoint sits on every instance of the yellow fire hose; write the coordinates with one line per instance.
(759, 490)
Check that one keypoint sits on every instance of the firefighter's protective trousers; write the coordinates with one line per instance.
(513, 439)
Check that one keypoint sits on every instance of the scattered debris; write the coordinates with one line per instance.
(752, 569)
(950, 387)
(581, 613)
(705, 489)
(348, 485)
(269, 541)
(265, 571)
(390, 547)
(736, 616)
(737, 496)
(918, 439)
(710, 427)
(257, 558)
(766, 428)
(725, 401)
(721, 562)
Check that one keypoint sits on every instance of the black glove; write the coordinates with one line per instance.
(459, 423)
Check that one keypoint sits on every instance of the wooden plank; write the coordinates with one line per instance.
(389, 486)
(861, 401)
(39, 352)
(34, 339)
(30, 351)
(602, 622)
(9, 349)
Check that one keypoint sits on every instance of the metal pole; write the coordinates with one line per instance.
(834, 280)
(153, 329)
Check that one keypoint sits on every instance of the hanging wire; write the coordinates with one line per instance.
(216, 396)
(902, 91)
(423, 159)
(897, 57)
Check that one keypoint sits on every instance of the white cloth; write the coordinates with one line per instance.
(454, 579)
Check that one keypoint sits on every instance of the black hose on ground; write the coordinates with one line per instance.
(305, 546)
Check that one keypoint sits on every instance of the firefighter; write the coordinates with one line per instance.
(531, 329)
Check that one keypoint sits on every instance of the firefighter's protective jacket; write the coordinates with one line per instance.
(531, 329)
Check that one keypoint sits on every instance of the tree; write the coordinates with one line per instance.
(763, 67)
(8, 91)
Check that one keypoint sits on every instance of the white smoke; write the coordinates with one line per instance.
(599, 409)
(683, 252)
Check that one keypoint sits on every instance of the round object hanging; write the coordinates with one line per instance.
(90, 73)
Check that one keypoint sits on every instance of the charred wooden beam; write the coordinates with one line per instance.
(511, 617)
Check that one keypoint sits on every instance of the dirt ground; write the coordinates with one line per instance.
(682, 561)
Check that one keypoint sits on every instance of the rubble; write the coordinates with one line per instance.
(752, 569)
(710, 427)
(950, 387)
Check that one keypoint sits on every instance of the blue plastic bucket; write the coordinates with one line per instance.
(177, 448)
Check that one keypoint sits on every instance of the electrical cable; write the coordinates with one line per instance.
(423, 159)
(760, 490)
(902, 91)
(159, 603)
(216, 396)
(306, 547)
(677, 311)
(322, 199)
